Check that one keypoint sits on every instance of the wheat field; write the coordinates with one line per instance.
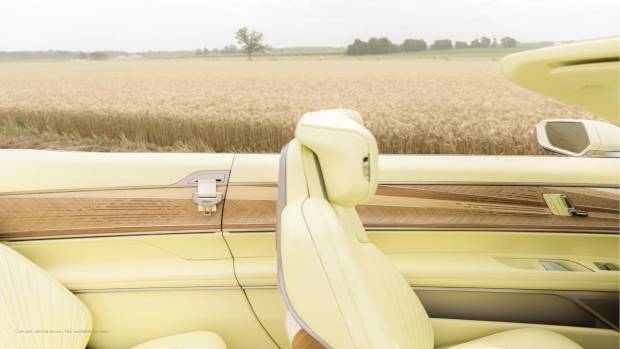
(424, 106)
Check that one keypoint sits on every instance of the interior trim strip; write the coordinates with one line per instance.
(578, 299)
(153, 289)
(516, 184)
(125, 234)
(158, 289)
(503, 230)
(584, 185)
(187, 181)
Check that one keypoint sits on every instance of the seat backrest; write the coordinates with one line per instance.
(36, 311)
(338, 286)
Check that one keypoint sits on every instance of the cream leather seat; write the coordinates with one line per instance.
(36, 311)
(338, 287)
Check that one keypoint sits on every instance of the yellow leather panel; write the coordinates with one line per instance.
(450, 270)
(558, 170)
(461, 258)
(182, 276)
(473, 259)
(489, 242)
(347, 153)
(248, 244)
(256, 271)
(270, 310)
(254, 168)
(584, 74)
(358, 299)
(126, 319)
(44, 170)
(304, 275)
(263, 168)
(36, 310)
(176, 260)
(187, 340)
(254, 256)
(22, 169)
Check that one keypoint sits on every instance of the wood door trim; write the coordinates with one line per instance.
(103, 212)
(444, 207)
(253, 208)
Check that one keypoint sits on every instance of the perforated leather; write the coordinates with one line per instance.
(37, 312)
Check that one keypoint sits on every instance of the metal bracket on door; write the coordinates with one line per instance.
(206, 196)
(561, 205)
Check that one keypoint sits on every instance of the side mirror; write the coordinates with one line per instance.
(579, 137)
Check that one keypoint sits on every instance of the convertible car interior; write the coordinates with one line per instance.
(328, 244)
(338, 287)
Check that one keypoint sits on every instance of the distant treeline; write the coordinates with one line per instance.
(302, 50)
(60, 55)
(384, 45)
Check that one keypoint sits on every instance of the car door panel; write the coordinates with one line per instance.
(487, 207)
(39, 171)
(123, 233)
(50, 194)
(127, 317)
(141, 261)
(479, 231)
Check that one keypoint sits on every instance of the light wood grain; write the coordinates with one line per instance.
(303, 340)
(445, 207)
(253, 208)
(250, 207)
(103, 212)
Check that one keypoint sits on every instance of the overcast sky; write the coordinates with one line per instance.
(137, 25)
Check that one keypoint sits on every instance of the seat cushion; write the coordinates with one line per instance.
(523, 338)
(187, 340)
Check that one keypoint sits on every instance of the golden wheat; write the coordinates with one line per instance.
(412, 106)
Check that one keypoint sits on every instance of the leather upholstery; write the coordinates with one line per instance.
(522, 338)
(347, 153)
(36, 310)
(339, 287)
(187, 340)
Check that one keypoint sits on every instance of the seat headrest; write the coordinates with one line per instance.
(347, 153)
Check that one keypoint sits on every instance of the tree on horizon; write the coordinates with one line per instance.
(251, 41)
